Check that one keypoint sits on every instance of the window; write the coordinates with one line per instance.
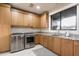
(55, 19)
(68, 18)
(64, 20)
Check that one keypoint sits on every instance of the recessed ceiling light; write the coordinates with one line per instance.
(37, 7)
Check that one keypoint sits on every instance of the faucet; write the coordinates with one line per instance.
(67, 34)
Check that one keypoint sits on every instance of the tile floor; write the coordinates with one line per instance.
(38, 50)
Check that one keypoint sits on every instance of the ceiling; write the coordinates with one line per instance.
(43, 6)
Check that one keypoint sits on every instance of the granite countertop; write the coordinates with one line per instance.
(61, 36)
(73, 37)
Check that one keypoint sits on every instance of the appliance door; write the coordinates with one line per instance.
(17, 43)
(29, 41)
(26, 44)
(20, 43)
(14, 43)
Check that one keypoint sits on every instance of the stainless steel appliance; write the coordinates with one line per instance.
(29, 40)
(17, 42)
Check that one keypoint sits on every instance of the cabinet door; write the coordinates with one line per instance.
(56, 45)
(5, 21)
(66, 15)
(28, 19)
(44, 20)
(51, 43)
(17, 18)
(5, 16)
(41, 40)
(45, 41)
(67, 47)
(37, 39)
(36, 21)
(76, 47)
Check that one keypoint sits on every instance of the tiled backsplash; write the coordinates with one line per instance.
(23, 30)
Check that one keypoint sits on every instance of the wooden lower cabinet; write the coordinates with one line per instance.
(58, 45)
(67, 47)
(37, 39)
(41, 39)
(55, 45)
(50, 45)
(46, 41)
(76, 47)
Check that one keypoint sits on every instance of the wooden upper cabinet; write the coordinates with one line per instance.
(36, 21)
(76, 47)
(67, 47)
(28, 20)
(44, 20)
(25, 19)
(31, 20)
(17, 18)
(5, 16)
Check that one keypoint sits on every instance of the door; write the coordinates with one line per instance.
(45, 41)
(5, 23)
(26, 20)
(19, 43)
(14, 43)
(44, 20)
(51, 44)
(67, 47)
(36, 21)
(41, 40)
(37, 39)
(17, 18)
(76, 47)
(22, 42)
(56, 45)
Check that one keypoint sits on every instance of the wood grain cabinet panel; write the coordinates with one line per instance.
(56, 45)
(45, 41)
(41, 40)
(37, 39)
(44, 20)
(5, 23)
(76, 47)
(17, 18)
(67, 47)
(51, 44)
(27, 20)
(36, 21)
(4, 18)
(60, 46)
